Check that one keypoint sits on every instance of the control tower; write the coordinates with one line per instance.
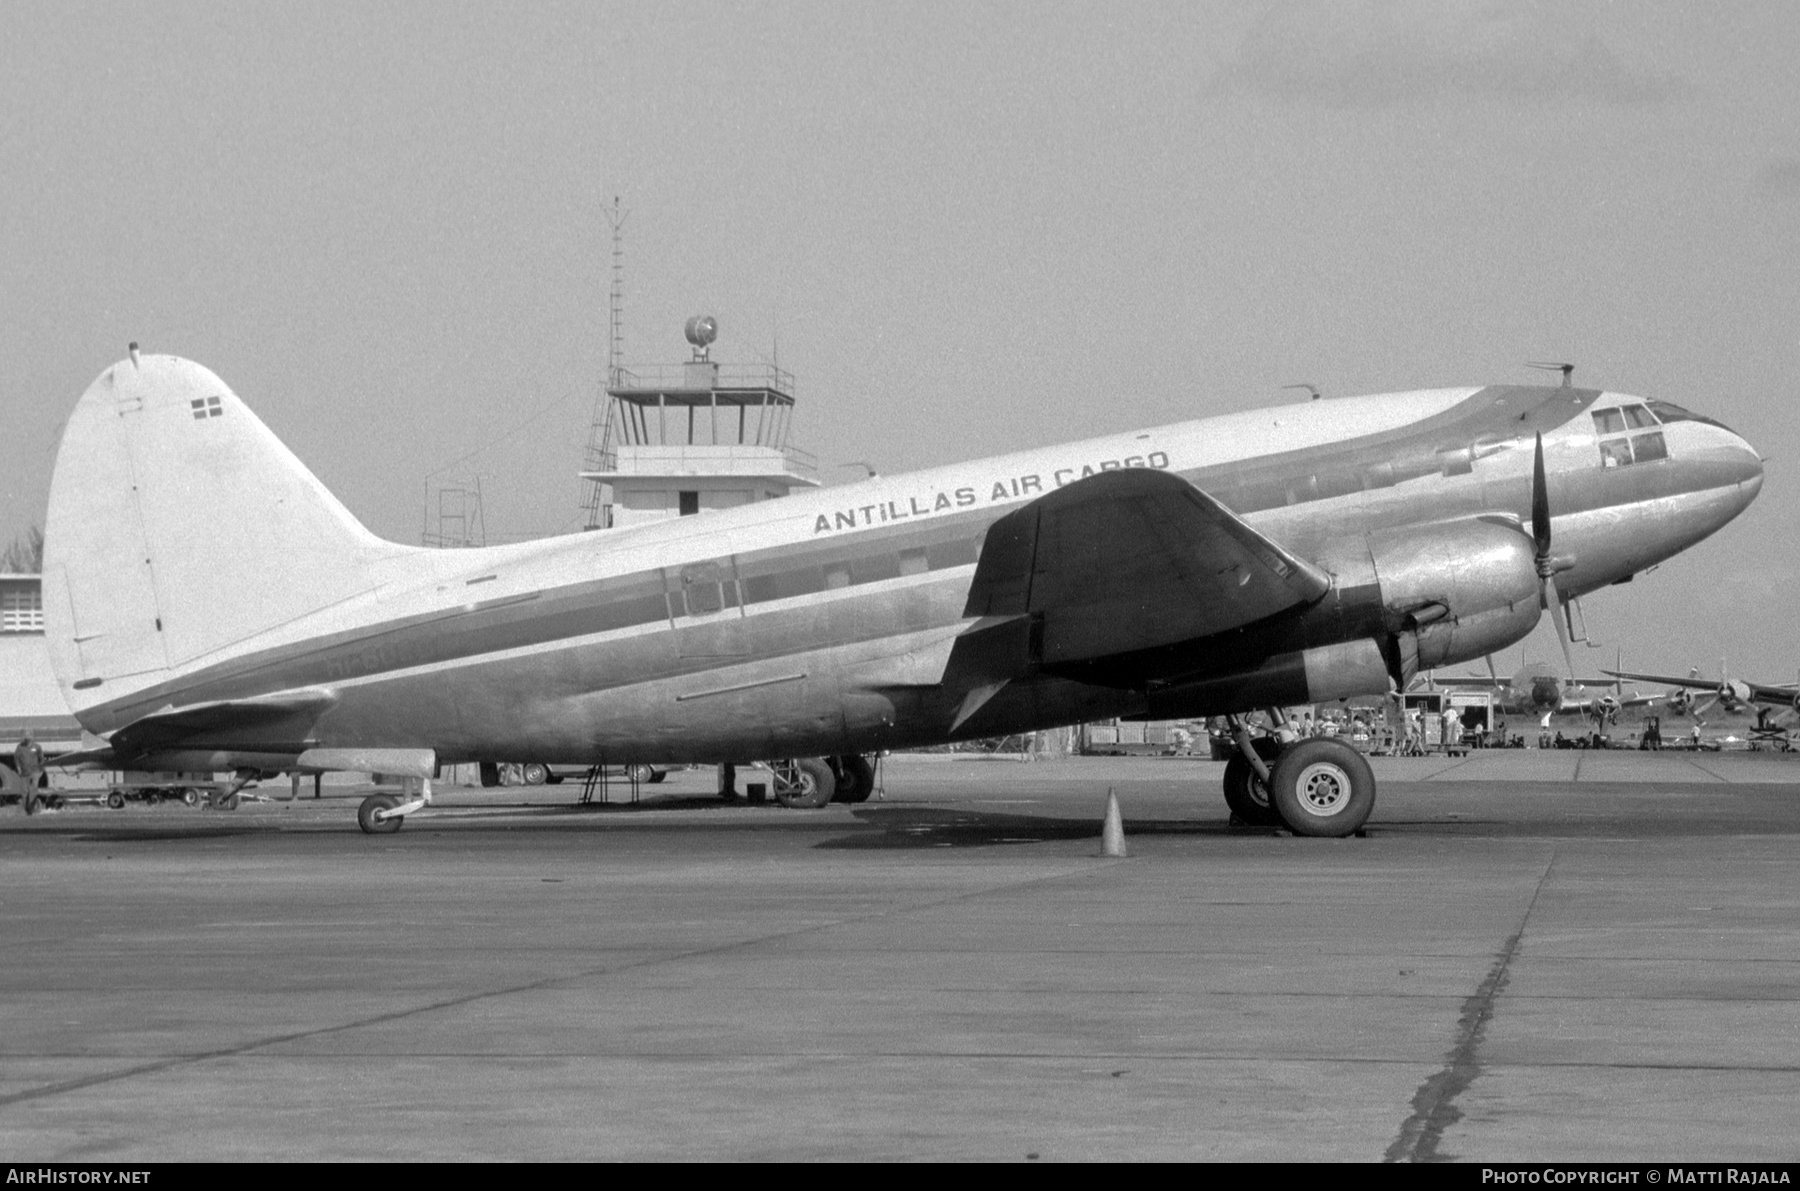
(684, 438)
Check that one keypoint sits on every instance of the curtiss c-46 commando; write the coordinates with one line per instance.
(210, 606)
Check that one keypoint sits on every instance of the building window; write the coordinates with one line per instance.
(690, 503)
(21, 610)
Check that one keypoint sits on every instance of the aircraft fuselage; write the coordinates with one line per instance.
(827, 623)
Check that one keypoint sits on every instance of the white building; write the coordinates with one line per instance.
(29, 696)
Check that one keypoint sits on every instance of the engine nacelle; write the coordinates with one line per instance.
(1401, 602)
(1450, 592)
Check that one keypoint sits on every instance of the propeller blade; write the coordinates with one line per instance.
(1540, 537)
(1540, 506)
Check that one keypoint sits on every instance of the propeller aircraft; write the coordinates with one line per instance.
(209, 605)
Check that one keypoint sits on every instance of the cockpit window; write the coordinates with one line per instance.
(1646, 447)
(1619, 450)
(1667, 412)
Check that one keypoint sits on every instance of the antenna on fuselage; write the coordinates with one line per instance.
(1567, 370)
(1313, 389)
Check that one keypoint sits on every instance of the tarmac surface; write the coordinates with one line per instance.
(1531, 956)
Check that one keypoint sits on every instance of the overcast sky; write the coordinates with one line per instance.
(970, 228)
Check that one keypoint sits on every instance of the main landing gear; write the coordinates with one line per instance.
(1317, 787)
(811, 782)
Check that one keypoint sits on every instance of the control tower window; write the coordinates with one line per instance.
(690, 503)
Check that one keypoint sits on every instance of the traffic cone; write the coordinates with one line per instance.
(1112, 835)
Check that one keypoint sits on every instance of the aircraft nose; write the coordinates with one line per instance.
(1739, 462)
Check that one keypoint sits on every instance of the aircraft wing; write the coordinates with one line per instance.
(1459, 683)
(1698, 684)
(1760, 692)
(1131, 561)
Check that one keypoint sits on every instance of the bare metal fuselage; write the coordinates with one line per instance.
(825, 623)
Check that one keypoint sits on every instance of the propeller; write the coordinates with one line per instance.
(1547, 564)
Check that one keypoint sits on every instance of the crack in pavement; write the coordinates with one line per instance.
(1434, 1104)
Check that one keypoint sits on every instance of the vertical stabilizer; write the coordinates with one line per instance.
(179, 526)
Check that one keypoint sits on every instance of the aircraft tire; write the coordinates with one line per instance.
(641, 774)
(115, 801)
(1247, 797)
(535, 774)
(812, 787)
(855, 779)
(1322, 788)
(191, 797)
(365, 815)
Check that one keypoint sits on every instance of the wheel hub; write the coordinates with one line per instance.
(1324, 789)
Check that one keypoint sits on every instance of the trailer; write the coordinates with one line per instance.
(189, 789)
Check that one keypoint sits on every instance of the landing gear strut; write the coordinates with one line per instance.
(1317, 787)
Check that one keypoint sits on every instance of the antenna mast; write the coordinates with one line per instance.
(615, 302)
(602, 452)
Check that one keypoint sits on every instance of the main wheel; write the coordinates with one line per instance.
(190, 797)
(1323, 788)
(855, 779)
(810, 785)
(641, 774)
(535, 774)
(1245, 793)
(365, 814)
(116, 801)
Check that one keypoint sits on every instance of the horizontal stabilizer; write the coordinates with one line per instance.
(1132, 560)
(167, 727)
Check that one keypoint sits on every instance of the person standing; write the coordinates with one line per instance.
(28, 760)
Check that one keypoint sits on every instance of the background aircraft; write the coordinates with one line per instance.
(1733, 694)
(209, 605)
(1536, 689)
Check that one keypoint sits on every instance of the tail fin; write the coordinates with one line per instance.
(178, 526)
